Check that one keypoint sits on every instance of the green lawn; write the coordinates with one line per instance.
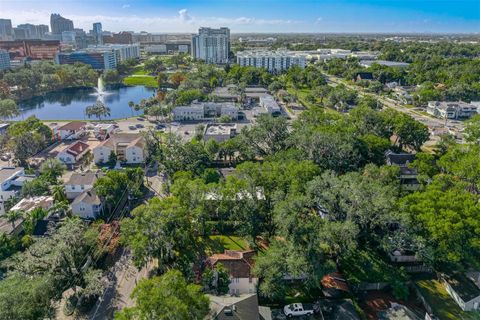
(148, 81)
(302, 94)
(217, 244)
(444, 307)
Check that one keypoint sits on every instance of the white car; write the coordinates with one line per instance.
(298, 309)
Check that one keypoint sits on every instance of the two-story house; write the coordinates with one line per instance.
(11, 180)
(71, 131)
(239, 265)
(87, 205)
(128, 147)
(408, 176)
(72, 153)
(80, 182)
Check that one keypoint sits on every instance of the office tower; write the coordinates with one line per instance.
(21, 34)
(211, 45)
(42, 30)
(59, 24)
(98, 33)
(6, 30)
(69, 37)
(4, 60)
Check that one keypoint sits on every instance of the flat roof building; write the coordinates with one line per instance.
(220, 131)
(33, 49)
(273, 61)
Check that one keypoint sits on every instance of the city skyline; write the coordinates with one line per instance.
(256, 16)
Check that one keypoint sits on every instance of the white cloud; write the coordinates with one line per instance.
(125, 6)
(183, 21)
(318, 20)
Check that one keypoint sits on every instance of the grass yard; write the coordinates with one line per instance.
(141, 80)
(217, 244)
(302, 94)
(444, 307)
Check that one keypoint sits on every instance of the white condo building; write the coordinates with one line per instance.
(211, 45)
(273, 61)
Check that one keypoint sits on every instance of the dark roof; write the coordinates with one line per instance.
(245, 309)
(463, 286)
(338, 309)
(85, 178)
(399, 159)
(364, 75)
(42, 226)
(89, 197)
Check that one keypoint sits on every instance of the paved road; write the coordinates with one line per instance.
(123, 278)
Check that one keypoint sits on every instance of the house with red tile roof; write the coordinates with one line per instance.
(73, 152)
(239, 265)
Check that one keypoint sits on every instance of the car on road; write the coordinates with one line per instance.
(298, 309)
(140, 119)
(139, 126)
(132, 127)
(5, 157)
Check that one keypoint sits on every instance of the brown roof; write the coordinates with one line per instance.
(76, 148)
(131, 139)
(73, 126)
(84, 178)
(238, 263)
(335, 280)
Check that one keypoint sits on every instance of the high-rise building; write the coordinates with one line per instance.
(211, 45)
(42, 30)
(60, 24)
(32, 31)
(6, 30)
(4, 60)
(21, 34)
(34, 49)
(98, 33)
(69, 37)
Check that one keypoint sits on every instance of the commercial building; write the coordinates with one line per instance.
(168, 48)
(6, 30)
(220, 131)
(268, 103)
(101, 57)
(31, 31)
(59, 24)
(69, 37)
(4, 60)
(211, 45)
(205, 110)
(119, 38)
(273, 61)
(33, 49)
(451, 110)
(98, 33)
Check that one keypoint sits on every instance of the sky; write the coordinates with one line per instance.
(179, 16)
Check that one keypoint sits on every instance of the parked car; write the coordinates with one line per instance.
(186, 132)
(159, 126)
(140, 119)
(4, 158)
(139, 126)
(298, 309)
(132, 127)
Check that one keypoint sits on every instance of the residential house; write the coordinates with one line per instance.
(11, 180)
(463, 290)
(268, 103)
(451, 110)
(334, 285)
(87, 205)
(81, 182)
(71, 131)
(102, 131)
(29, 204)
(243, 307)
(11, 228)
(408, 176)
(128, 147)
(239, 265)
(72, 153)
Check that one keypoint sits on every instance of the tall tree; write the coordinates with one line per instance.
(97, 110)
(8, 109)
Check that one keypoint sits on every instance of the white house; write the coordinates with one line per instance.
(451, 110)
(10, 183)
(81, 182)
(220, 131)
(72, 153)
(239, 265)
(464, 291)
(87, 205)
(103, 130)
(29, 204)
(128, 147)
(270, 105)
(71, 131)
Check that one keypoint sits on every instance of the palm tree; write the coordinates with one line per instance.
(131, 104)
(58, 193)
(61, 208)
(13, 216)
(98, 110)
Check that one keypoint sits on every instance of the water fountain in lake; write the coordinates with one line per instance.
(100, 89)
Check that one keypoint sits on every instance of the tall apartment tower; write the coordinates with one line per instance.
(60, 24)
(211, 45)
(98, 33)
(6, 30)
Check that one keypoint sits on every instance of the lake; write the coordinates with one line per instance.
(70, 104)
